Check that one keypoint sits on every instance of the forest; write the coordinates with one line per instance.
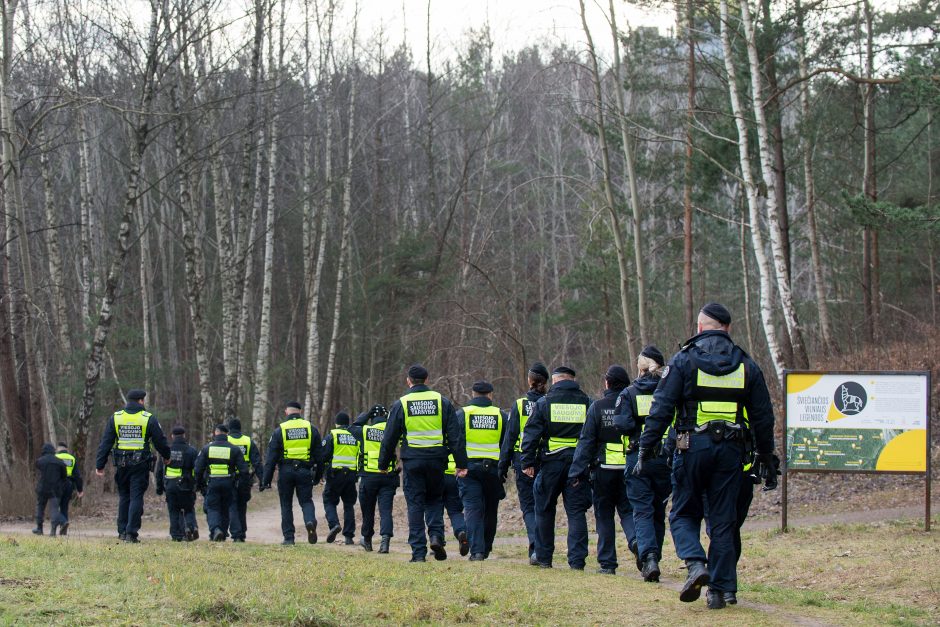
(236, 204)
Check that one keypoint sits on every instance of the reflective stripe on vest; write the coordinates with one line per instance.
(297, 435)
(220, 459)
(564, 416)
(451, 466)
(614, 456)
(371, 446)
(69, 460)
(424, 419)
(644, 403)
(173, 473)
(724, 394)
(483, 427)
(244, 443)
(345, 449)
(131, 430)
(524, 407)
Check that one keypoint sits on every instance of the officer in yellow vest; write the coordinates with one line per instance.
(712, 382)
(218, 468)
(238, 517)
(295, 449)
(489, 453)
(648, 492)
(537, 379)
(73, 485)
(127, 438)
(177, 479)
(425, 425)
(600, 458)
(341, 461)
(549, 440)
(375, 486)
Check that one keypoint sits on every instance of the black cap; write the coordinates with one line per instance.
(717, 311)
(654, 353)
(418, 372)
(342, 419)
(378, 410)
(482, 387)
(221, 428)
(136, 395)
(234, 424)
(62, 444)
(539, 369)
(564, 370)
(178, 430)
(617, 376)
(293, 404)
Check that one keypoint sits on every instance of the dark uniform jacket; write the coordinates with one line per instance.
(275, 453)
(236, 461)
(154, 436)
(598, 430)
(77, 482)
(51, 473)
(182, 456)
(395, 433)
(506, 444)
(513, 428)
(715, 353)
(628, 423)
(536, 433)
(254, 455)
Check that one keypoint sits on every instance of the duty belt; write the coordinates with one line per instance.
(296, 463)
(721, 430)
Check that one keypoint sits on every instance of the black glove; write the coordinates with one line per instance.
(574, 482)
(769, 469)
(503, 476)
(203, 489)
(642, 455)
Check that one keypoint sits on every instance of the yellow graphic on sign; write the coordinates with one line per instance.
(906, 452)
(801, 382)
(834, 414)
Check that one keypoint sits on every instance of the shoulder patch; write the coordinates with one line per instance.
(619, 400)
(665, 372)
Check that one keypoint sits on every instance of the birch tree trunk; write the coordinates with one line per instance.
(687, 182)
(753, 201)
(780, 256)
(870, 280)
(60, 294)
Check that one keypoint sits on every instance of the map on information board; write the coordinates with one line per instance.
(857, 421)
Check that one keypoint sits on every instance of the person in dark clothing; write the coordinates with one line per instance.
(425, 424)
(73, 485)
(453, 505)
(296, 451)
(714, 384)
(549, 439)
(489, 452)
(51, 477)
(537, 379)
(600, 458)
(127, 438)
(219, 467)
(375, 486)
(649, 491)
(177, 479)
(341, 461)
(238, 517)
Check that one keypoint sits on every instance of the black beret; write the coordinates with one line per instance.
(234, 424)
(221, 428)
(342, 418)
(617, 375)
(136, 395)
(654, 353)
(417, 372)
(293, 404)
(717, 311)
(564, 370)
(539, 369)
(482, 387)
(178, 430)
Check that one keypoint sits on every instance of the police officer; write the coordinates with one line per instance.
(600, 459)
(51, 477)
(489, 452)
(425, 423)
(453, 504)
(537, 379)
(177, 479)
(127, 438)
(295, 449)
(375, 486)
(550, 437)
(238, 517)
(649, 491)
(712, 382)
(220, 465)
(73, 485)
(341, 461)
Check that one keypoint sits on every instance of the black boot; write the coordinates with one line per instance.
(651, 568)
(366, 544)
(311, 532)
(348, 541)
(715, 599)
(383, 546)
(730, 598)
(698, 577)
(64, 529)
(437, 547)
(464, 543)
(38, 529)
(334, 531)
(635, 549)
